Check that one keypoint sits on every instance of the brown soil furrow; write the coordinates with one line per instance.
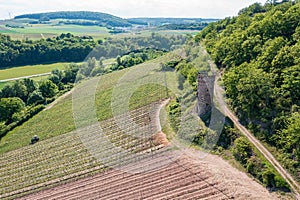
(209, 191)
(107, 177)
(218, 196)
(150, 184)
(206, 192)
(115, 186)
(163, 188)
(184, 179)
(181, 189)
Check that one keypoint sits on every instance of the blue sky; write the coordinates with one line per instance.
(130, 8)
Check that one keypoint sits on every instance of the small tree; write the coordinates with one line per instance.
(70, 74)
(10, 106)
(30, 85)
(242, 150)
(269, 178)
(35, 98)
(48, 89)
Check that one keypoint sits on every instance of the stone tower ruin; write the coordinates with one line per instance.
(205, 93)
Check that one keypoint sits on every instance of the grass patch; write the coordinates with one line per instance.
(29, 70)
(39, 31)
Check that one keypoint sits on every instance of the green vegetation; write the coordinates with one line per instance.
(70, 48)
(22, 99)
(191, 26)
(64, 48)
(22, 71)
(99, 25)
(44, 31)
(58, 159)
(2, 84)
(161, 21)
(34, 94)
(237, 146)
(112, 47)
(98, 18)
(259, 53)
(61, 113)
(230, 141)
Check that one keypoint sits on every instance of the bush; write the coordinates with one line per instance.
(48, 89)
(242, 150)
(35, 98)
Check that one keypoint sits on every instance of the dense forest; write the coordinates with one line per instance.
(70, 48)
(66, 48)
(101, 18)
(259, 52)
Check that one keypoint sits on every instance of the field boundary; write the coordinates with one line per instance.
(23, 77)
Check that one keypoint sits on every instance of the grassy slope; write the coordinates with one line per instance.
(60, 155)
(59, 119)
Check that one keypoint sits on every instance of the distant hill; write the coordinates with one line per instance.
(163, 21)
(102, 19)
(98, 18)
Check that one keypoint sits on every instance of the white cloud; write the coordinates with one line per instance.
(131, 8)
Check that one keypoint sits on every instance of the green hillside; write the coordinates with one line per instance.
(61, 155)
(59, 119)
(95, 18)
(259, 52)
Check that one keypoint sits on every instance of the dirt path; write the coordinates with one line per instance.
(23, 77)
(224, 107)
(58, 99)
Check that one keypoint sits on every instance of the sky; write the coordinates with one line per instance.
(130, 8)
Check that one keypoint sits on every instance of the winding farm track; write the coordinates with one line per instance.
(218, 93)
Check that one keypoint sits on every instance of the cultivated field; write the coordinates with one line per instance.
(123, 156)
(185, 177)
(59, 119)
(127, 166)
(66, 157)
(39, 31)
(29, 70)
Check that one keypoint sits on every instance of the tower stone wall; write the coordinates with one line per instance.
(205, 93)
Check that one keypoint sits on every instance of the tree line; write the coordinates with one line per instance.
(23, 99)
(63, 48)
(70, 48)
(187, 26)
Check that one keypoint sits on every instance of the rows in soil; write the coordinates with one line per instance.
(67, 156)
(181, 179)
